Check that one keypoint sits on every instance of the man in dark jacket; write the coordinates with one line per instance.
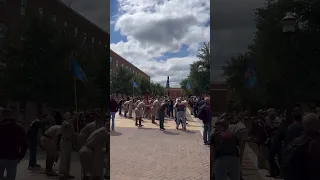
(113, 110)
(205, 116)
(33, 140)
(13, 142)
(120, 105)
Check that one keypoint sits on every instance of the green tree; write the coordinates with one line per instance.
(121, 81)
(38, 67)
(183, 85)
(199, 76)
(41, 68)
(286, 63)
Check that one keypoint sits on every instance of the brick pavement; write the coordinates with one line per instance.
(24, 174)
(148, 153)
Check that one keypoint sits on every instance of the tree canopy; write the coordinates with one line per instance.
(286, 64)
(39, 69)
(199, 77)
(122, 83)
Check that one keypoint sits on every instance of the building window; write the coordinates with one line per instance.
(110, 71)
(54, 18)
(85, 37)
(92, 40)
(75, 31)
(117, 63)
(23, 11)
(3, 30)
(65, 24)
(40, 11)
(110, 59)
(121, 65)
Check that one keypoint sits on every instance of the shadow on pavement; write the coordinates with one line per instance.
(115, 133)
(38, 171)
(145, 128)
(189, 132)
(189, 125)
(170, 133)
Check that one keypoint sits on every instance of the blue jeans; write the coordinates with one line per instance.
(113, 114)
(225, 166)
(33, 145)
(181, 114)
(10, 166)
(206, 132)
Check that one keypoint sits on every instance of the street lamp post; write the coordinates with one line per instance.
(289, 28)
(289, 23)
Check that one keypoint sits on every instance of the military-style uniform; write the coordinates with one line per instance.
(130, 108)
(91, 155)
(154, 111)
(67, 137)
(125, 107)
(50, 142)
(139, 111)
(87, 130)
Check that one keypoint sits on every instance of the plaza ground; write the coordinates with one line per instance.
(150, 154)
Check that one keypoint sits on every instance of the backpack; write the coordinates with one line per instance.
(294, 155)
(202, 113)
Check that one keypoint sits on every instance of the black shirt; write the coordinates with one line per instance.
(34, 129)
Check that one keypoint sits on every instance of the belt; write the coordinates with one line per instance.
(47, 136)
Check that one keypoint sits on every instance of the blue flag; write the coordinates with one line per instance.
(168, 86)
(188, 85)
(78, 72)
(251, 75)
(134, 84)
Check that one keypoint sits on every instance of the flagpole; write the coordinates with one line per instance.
(75, 94)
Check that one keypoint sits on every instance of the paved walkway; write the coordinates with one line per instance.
(24, 174)
(147, 153)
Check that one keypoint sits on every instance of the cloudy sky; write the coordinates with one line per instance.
(232, 30)
(160, 37)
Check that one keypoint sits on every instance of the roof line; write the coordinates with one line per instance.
(81, 16)
(130, 63)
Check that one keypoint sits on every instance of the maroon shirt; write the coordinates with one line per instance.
(113, 106)
(13, 140)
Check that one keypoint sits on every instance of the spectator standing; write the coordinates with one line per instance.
(113, 110)
(205, 116)
(14, 145)
(33, 140)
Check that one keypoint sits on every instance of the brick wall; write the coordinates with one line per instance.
(121, 61)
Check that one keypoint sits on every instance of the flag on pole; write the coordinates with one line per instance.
(168, 87)
(78, 72)
(251, 75)
(134, 84)
(188, 85)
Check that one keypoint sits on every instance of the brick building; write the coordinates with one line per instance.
(118, 61)
(219, 96)
(13, 16)
(174, 92)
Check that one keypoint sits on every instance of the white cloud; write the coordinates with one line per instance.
(156, 27)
